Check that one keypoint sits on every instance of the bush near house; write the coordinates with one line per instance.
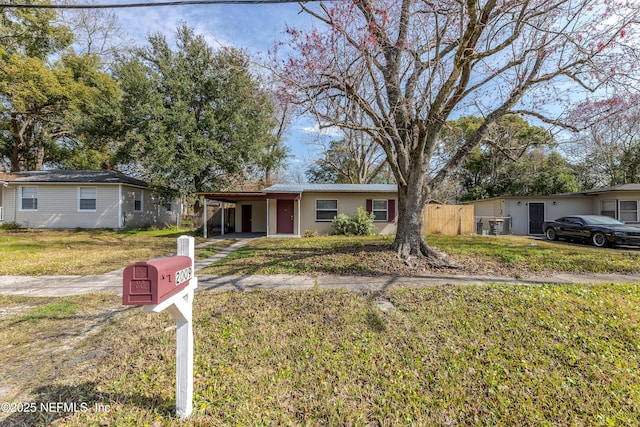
(361, 224)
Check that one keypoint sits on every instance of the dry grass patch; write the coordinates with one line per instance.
(511, 256)
(477, 355)
(84, 252)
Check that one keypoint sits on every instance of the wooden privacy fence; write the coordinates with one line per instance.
(450, 220)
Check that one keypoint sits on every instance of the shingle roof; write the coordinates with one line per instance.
(74, 176)
(623, 187)
(330, 188)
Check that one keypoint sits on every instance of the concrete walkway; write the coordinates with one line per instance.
(58, 286)
(379, 283)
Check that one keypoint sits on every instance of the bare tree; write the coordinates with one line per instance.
(95, 31)
(353, 159)
(408, 66)
(608, 147)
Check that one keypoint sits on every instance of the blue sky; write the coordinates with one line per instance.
(255, 28)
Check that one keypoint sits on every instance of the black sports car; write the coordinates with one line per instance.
(599, 230)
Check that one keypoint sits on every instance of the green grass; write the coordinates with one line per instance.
(541, 255)
(372, 256)
(326, 254)
(84, 252)
(494, 355)
(54, 310)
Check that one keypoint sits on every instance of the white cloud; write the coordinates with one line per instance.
(315, 129)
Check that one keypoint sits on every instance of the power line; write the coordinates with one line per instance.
(156, 4)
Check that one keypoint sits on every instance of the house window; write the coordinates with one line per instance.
(326, 210)
(137, 201)
(87, 199)
(629, 210)
(380, 209)
(29, 198)
(384, 210)
(608, 208)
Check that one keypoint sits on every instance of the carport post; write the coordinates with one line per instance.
(222, 220)
(204, 231)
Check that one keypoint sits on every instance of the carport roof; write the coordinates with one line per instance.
(233, 196)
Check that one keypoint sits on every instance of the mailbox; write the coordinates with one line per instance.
(152, 282)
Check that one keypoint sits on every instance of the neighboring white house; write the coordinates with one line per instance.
(81, 199)
(526, 214)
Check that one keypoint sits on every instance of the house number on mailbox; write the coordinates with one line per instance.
(183, 275)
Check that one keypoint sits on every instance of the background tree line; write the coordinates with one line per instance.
(514, 159)
(193, 118)
(187, 118)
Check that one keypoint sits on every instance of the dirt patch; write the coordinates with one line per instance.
(38, 347)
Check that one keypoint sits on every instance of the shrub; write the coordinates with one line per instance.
(10, 226)
(361, 224)
(310, 233)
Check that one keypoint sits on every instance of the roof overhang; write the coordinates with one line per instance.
(233, 196)
(284, 196)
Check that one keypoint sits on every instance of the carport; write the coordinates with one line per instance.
(250, 203)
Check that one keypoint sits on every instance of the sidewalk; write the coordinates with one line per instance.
(59, 286)
(379, 283)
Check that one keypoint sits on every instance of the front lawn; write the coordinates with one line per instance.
(83, 252)
(494, 355)
(512, 256)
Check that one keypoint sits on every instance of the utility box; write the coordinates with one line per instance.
(496, 227)
(151, 282)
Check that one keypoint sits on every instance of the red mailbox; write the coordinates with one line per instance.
(151, 282)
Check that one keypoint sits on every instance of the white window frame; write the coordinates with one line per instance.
(625, 211)
(80, 198)
(135, 199)
(385, 210)
(325, 210)
(604, 212)
(22, 198)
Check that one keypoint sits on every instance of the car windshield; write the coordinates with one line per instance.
(595, 220)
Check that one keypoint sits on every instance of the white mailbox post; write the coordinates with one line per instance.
(179, 304)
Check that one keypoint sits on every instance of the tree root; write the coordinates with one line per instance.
(407, 253)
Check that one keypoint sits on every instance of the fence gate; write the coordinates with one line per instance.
(450, 220)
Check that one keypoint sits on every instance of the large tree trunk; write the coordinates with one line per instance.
(18, 144)
(410, 241)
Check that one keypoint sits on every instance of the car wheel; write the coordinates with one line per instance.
(599, 240)
(551, 234)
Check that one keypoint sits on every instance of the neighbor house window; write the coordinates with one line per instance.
(326, 210)
(629, 210)
(380, 209)
(137, 201)
(608, 208)
(87, 199)
(29, 198)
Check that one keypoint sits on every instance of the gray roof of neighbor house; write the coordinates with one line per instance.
(73, 176)
(330, 188)
(592, 192)
(622, 187)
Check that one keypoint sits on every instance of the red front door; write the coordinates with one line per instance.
(285, 217)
